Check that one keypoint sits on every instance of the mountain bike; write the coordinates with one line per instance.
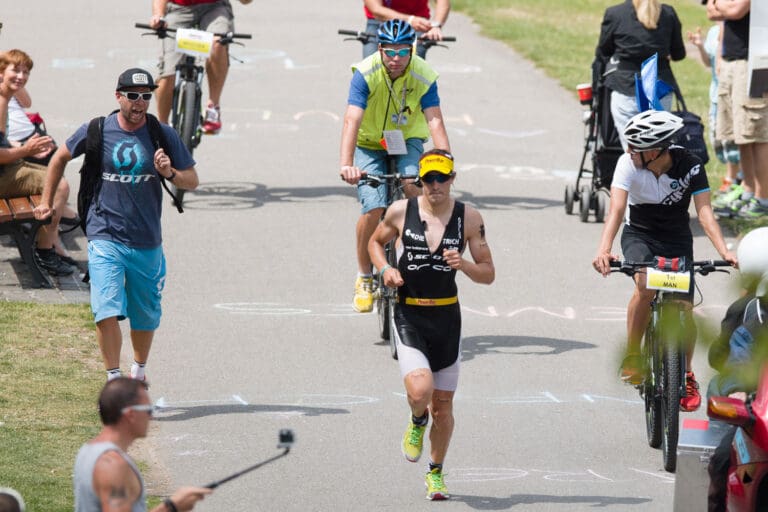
(365, 37)
(663, 350)
(186, 106)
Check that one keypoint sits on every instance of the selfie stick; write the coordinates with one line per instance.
(286, 441)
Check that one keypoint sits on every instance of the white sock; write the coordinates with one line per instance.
(746, 196)
(113, 373)
(137, 370)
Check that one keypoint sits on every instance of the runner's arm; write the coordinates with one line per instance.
(386, 230)
(352, 119)
(603, 258)
(481, 268)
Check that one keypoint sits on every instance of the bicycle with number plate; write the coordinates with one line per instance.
(186, 106)
(366, 37)
(663, 351)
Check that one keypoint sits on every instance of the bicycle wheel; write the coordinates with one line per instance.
(670, 396)
(186, 121)
(650, 388)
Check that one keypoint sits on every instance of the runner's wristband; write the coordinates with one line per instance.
(384, 269)
(170, 505)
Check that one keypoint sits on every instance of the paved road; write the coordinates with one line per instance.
(258, 332)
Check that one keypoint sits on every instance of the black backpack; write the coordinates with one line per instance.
(90, 172)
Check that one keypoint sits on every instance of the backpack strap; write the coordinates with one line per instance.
(159, 141)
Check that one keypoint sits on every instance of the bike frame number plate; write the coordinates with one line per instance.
(197, 43)
(668, 281)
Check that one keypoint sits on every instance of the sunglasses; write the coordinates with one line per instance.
(149, 409)
(435, 177)
(134, 96)
(402, 52)
(633, 151)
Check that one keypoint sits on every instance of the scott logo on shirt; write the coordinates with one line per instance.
(129, 159)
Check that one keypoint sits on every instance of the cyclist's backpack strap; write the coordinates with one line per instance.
(159, 141)
(90, 172)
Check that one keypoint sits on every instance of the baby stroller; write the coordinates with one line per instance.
(603, 147)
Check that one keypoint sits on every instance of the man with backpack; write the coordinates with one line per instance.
(127, 156)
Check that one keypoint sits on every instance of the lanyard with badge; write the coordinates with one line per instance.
(393, 140)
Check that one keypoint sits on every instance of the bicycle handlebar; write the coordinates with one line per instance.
(702, 267)
(365, 37)
(225, 37)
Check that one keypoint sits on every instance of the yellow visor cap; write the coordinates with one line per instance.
(435, 163)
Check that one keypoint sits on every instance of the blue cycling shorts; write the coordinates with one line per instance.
(126, 283)
(374, 161)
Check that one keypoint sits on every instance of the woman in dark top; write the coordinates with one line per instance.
(630, 33)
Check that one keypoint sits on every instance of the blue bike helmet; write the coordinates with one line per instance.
(396, 32)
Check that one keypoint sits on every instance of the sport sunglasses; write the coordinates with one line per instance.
(402, 52)
(134, 96)
(436, 177)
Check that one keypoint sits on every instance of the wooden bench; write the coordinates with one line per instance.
(18, 220)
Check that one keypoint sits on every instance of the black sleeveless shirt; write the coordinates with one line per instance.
(426, 274)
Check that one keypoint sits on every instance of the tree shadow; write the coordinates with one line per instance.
(474, 346)
(176, 413)
(240, 195)
(492, 503)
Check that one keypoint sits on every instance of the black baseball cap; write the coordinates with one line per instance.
(135, 77)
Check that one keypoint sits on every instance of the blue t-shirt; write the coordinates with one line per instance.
(128, 207)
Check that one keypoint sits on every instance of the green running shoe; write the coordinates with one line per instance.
(753, 210)
(724, 199)
(436, 489)
(413, 440)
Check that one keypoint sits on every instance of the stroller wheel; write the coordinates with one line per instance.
(585, 195)
(601, 197)
(570, 194)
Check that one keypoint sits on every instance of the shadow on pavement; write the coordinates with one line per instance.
(239, 195)
(473, 346)
(199, 411)
(489, 503)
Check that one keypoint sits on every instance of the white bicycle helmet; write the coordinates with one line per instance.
(652, 129)
(753, 260)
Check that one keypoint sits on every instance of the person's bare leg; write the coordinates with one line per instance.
(366, 225)
(442, 424)
(110, 341)
(142, 342)
(217, 67)
(164, 97)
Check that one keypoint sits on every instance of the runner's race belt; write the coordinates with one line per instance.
(423, 301)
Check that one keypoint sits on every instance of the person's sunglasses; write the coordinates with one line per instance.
(149, 409)
(134, 96)
(436, 177)
(402, 52)
(634, 151)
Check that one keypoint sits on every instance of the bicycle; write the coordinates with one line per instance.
(384, 297)
(663, 350)
(366, 37)
(186, 106)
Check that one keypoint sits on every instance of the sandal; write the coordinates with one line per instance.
(631, 370)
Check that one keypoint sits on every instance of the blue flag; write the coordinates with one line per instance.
(648, 88)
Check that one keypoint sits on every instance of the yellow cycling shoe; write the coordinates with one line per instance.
(363, 301)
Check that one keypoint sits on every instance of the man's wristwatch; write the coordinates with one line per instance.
(172, 176)
(435, 24)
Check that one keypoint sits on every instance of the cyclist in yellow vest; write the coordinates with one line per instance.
(393, 102)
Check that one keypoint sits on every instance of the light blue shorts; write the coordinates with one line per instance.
(126, 283)
(373, 161)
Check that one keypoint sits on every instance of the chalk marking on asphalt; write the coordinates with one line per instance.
(464, 118)
(665, 478)
(600, 476)
(289, 64)
(335, 400)
(551, 397)
(237, 398)
(298, 115)
(498, 474)
(161, 402)
(486, 474)
(568, 312)
(512, 134)
(73, 63)
(595, 398)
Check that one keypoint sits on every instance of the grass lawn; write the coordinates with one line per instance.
(50, 377)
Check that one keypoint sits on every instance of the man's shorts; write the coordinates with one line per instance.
(374, 161)
(126, 283)
(21, 179)
(429, 337)
(740, 118)
(216, 17)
